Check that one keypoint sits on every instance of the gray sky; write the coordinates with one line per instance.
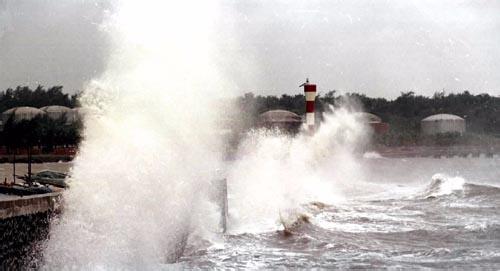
(379, 48)
(50, 43)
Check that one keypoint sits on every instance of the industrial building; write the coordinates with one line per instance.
(280, 119)
(442, 123)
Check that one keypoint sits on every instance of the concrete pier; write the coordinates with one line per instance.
(12, 206)
(24, 225)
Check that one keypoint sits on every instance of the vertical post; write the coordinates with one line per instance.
(29, 164)
(223, 204)
(14, 167)
(310, 93)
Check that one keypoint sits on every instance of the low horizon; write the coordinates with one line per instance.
(290, 93)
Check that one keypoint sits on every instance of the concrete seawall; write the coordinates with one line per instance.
(27, 205)
(24, 225)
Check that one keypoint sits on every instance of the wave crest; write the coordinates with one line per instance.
(444, 185)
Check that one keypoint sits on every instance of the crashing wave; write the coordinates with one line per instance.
(442, 185)
(292, 221)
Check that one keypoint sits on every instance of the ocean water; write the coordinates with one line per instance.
(140, 184)
(412, 213)
(308, 201)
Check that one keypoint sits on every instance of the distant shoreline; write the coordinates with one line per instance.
(437, 151)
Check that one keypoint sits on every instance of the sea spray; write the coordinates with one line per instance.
(150, 146)
(274, 172)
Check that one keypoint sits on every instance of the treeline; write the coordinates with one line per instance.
(42, 131)
(403, 114)
(481, 113)
(38, 97)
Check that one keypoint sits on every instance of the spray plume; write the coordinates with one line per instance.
(149, 148)
(275, 173)
(143, 170)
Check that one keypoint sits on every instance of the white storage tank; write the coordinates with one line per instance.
(56, 111)
(442, 123)
(282, 119)
(21, 113)
(367, 117)
(78, 113)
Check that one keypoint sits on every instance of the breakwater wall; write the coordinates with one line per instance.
(24, 225)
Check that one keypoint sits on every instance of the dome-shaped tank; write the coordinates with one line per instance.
(56, 111)
(281, 119)
(78, 113)
(368, 117)
(21, 113)
(442, 123)
(374, 121)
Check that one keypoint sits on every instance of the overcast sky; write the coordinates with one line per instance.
(54, 42)
(379, 48)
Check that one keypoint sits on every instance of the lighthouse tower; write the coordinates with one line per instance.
(310, 93)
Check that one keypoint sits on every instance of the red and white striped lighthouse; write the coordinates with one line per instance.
(310, 93)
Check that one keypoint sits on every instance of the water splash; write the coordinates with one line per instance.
(150, 146)
(274, 172)
(443, 184)
(141, 177)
